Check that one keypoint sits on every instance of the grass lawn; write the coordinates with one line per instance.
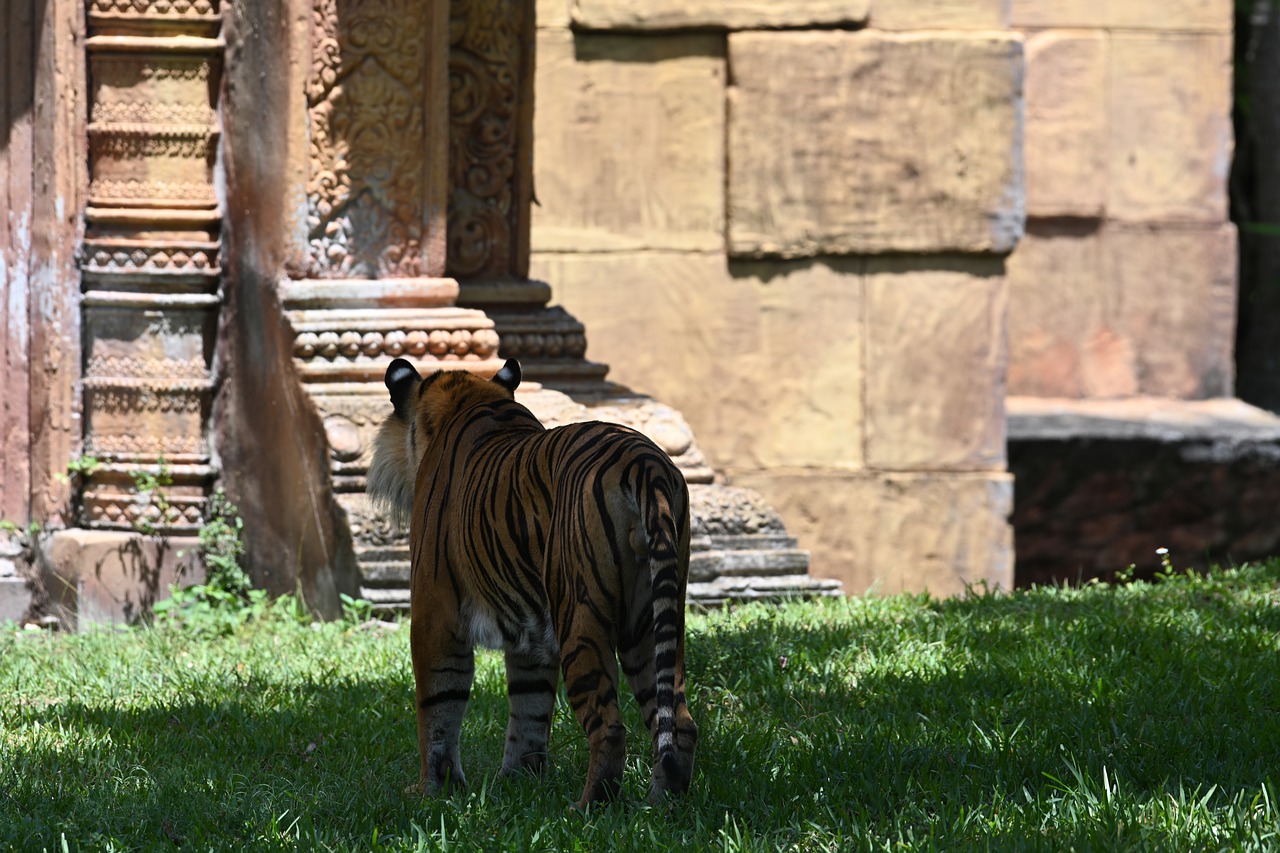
(1140, 716)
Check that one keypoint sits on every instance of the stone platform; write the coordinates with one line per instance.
(1100, 485)
(740, 549)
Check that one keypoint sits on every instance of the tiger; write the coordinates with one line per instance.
(568, 548)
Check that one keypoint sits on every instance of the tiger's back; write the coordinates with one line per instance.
(567, 548)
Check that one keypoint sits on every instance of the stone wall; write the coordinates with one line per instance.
(797, 237)
(1125, 283)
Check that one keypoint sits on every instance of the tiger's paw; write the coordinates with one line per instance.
(533, 765)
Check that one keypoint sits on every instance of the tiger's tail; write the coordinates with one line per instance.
(667, 529)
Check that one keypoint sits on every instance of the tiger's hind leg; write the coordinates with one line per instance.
(443, 668)
(591, 682)
(531, 691)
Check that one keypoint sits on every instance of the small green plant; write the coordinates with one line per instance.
(152, 484)
(81, 467)
(355, 611)
(19, 531)
(226, 600)
(222, 546)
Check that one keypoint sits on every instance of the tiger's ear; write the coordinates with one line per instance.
(402, 378)
(509, 376)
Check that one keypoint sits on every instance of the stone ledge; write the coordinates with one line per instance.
(1153, 418)
(1165, 15)
(715, 14)
(1101, 484)
(726, 590)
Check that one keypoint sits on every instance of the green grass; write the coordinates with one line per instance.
(1142, 716)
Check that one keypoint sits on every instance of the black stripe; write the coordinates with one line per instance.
(532, 718)
(524, 686)
(445, 696)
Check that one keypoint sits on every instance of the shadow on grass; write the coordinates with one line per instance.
(1010, 696)
(856, 721)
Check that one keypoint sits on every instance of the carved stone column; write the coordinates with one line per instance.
(149, 276)
(150, 258)
(367, 283)
(491, 66)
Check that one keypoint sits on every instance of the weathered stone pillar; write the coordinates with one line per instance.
(150, 259)
(42, 146)
(149, 275)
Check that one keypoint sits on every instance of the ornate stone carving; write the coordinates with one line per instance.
(192, 369)
(728, 511)
(372, 531)
(129, 141)
(550, 343)
(124, 73)
(125, 192)
(487, 84)
(367, 186)
(179, 447)
(126, 397)
(441, 344)
(150, 259)
(180, 10)
(350, 330)
(127, 511)
(152, 133)
(149, 112)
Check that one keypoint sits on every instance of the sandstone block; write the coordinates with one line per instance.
(890, 533)
(1170, 119)
(1123, 311)
(553, 13)
(630, 143)
(1066, 128)
(1167, 15)
(1176, 292)
(833, 149)
(726, 14)
(108, 577)
(940, 14)
(765, 360)
(936, 358)
(1061, 316)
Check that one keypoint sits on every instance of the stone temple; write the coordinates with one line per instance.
(933, 282)
(231, 218)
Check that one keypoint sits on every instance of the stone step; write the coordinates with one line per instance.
(395, 598)
(712, 594)
(748, 542)
(703, 566)
(385, 574)
(708, 565)
(727, 590)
